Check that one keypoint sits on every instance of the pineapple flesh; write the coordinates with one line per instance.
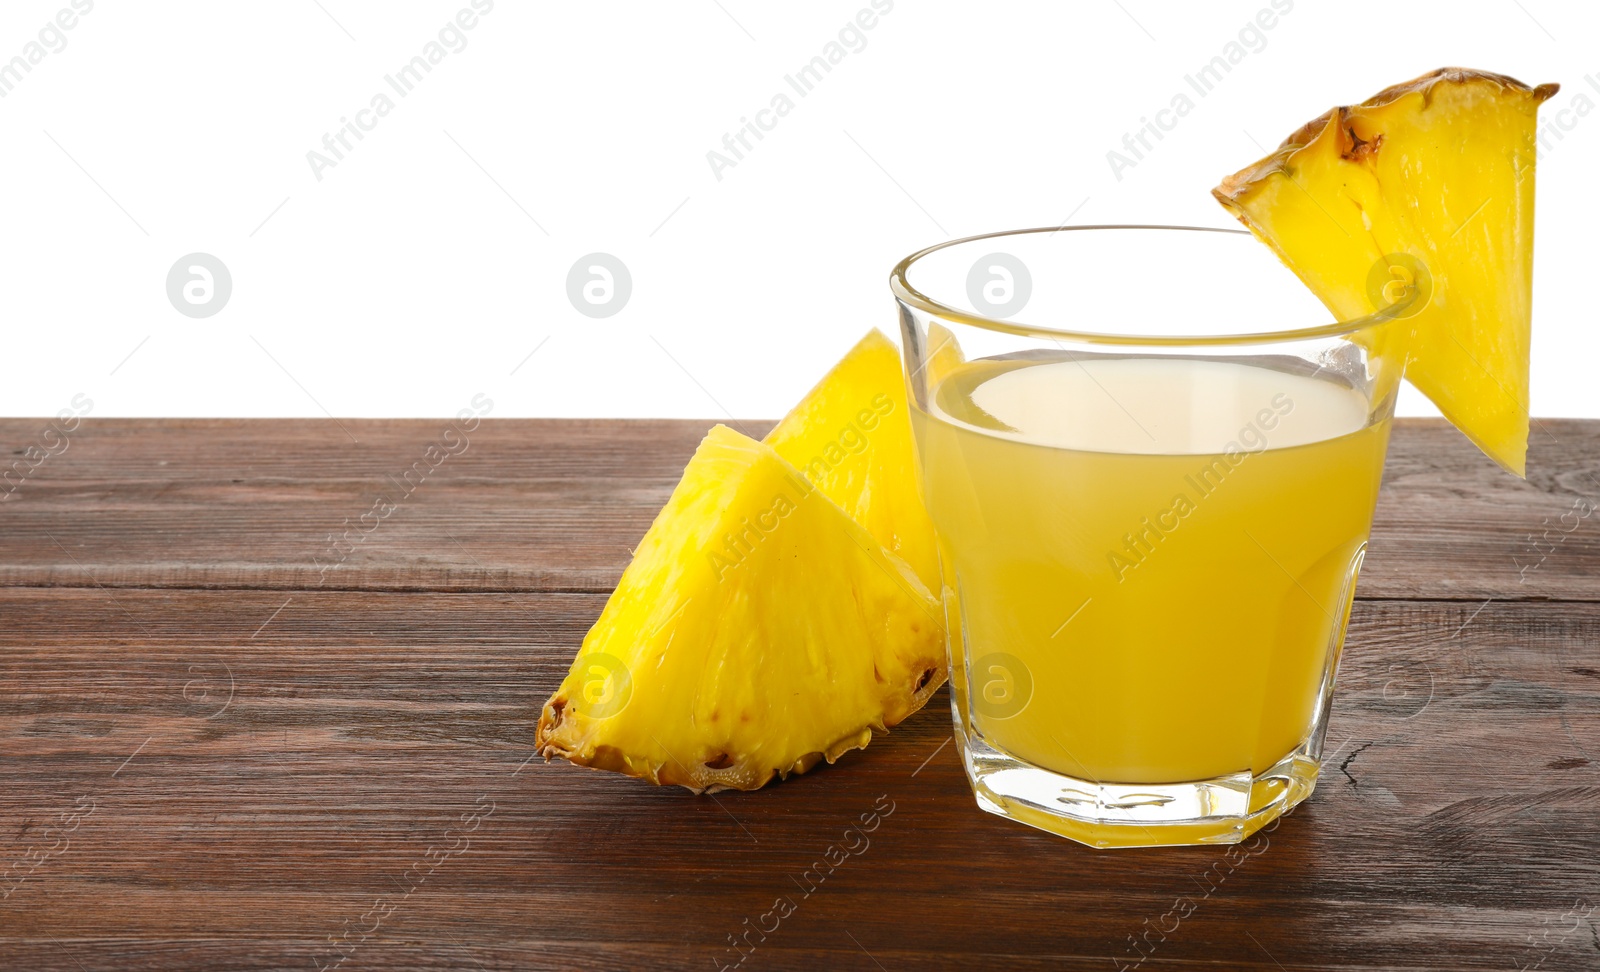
(1418, 203)
(851, 437)
(758, 631)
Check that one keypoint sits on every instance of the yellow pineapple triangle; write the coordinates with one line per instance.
(851, 437)
(758, 631)
(1419, 201)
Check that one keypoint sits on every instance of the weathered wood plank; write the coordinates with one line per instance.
(265, 762)
(242, 827)
(1451, 524)
(558, 505)
(525, 505)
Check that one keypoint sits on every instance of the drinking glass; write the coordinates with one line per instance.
(1151, 458)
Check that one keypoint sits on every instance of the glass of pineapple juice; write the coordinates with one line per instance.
(1151, 461)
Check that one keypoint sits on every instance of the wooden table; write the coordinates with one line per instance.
(229, 743)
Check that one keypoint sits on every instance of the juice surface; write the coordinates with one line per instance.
(1151, 559)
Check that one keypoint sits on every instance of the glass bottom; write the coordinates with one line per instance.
(1223, 810)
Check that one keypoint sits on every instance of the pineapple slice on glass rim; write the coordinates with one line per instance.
(1418, 202)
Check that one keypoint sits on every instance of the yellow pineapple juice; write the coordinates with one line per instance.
(1151, 559)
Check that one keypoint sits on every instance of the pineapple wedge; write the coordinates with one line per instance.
(757, 631)
(851, 437)
(944, 353)
(1419, 202)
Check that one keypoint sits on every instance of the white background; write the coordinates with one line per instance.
(429, 263)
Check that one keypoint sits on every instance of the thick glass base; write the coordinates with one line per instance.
(1224, 810)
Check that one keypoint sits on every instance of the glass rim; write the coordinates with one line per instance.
(906, 293)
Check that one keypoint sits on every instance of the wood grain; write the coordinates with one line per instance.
(273, 766)
(559, 505)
